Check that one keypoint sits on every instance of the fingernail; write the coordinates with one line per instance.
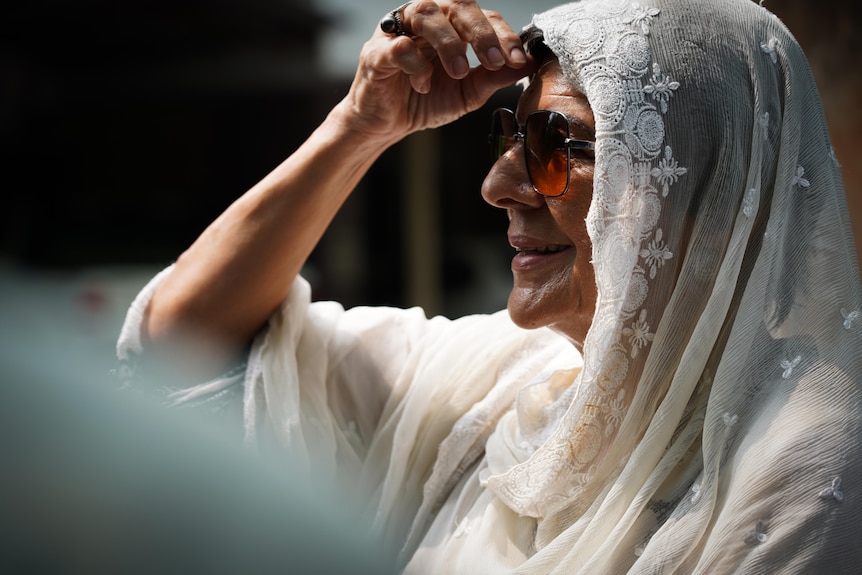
(495, 57)
(518, 56)
(460, 66)
(425, 88)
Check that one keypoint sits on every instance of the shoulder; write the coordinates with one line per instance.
(795, 475)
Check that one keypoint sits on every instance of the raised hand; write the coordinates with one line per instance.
(422, 79)
(231, 279)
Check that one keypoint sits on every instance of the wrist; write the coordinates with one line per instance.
(355, 129)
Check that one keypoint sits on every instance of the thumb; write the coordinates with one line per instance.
(484, 82)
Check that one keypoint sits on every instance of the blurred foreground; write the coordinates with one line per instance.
(99, 481)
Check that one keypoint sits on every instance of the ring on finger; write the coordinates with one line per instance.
(393, 23)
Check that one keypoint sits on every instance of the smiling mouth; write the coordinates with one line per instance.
(542, 250)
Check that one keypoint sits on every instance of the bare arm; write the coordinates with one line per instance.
(231, 279)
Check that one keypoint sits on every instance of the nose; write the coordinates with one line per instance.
(507, 184)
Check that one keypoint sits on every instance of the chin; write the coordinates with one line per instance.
(532, 313)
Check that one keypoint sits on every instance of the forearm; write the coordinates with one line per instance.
(231, 279)
(226, 285)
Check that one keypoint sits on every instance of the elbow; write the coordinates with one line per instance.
(174, 336)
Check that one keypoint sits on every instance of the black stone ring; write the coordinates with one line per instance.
(392, 24)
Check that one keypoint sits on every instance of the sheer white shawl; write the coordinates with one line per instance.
(715, 427)
(718, 424)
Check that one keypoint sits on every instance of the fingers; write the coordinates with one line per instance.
(415, 63)
(451, 25)
(482, 83)
(493, 40)
(510, 42)
(399, 55)
(426, 20)
(439, 33)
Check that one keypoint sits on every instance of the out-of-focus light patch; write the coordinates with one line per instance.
(46, 316)
(356, 21)
(100, 480)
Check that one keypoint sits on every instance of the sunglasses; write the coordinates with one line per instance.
(548, 147)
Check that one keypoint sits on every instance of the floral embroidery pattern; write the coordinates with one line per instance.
(642, 174)
(759, 535)
(463, 528)
(661, 87)
(833, 491)
(789, 365)
(643, 130)
(799, 180)
(729, 420)
(616, 412)
(630, 93)
(611, 378)
(638, 334)
(850, 317)
(749, 201)
(769, 49)
(656, 253)
(763, 122)
(667, 172)
(696, 493)
(642, 17)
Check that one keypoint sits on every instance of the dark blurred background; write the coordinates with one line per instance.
(126, 128)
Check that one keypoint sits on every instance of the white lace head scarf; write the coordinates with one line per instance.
(716, 425)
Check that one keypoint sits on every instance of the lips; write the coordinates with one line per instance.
(544, 244)
(533, 253)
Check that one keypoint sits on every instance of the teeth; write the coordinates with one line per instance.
(544, 249)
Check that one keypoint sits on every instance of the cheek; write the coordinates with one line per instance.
(585, 277)
(581, 183)
(582, 197)
(570, 211)
(583, 274)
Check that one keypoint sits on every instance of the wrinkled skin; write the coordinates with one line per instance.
(556, 289)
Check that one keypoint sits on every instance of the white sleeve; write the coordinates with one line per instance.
(348, 359)
(368, 395)
(319, 376)
(129, 343)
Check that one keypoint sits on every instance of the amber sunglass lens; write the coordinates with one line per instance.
(547, 159)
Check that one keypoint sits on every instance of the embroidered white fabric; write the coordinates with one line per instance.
(715, 426)
(391, 406)
(719, 363)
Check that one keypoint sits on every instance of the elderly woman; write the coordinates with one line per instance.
(676, 385)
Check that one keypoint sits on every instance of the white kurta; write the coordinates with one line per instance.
(715, 426)
(382, 399)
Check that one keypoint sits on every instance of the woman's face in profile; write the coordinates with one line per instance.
(554, 281)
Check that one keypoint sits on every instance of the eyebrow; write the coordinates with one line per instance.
(580, 124)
